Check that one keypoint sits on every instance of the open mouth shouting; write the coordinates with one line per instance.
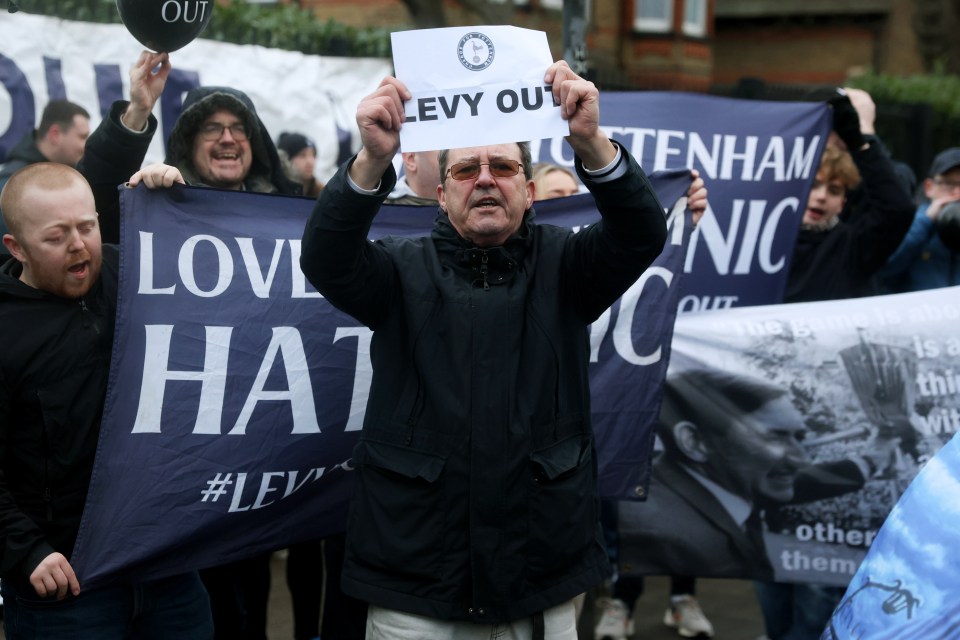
(79, 270)
(487, 202)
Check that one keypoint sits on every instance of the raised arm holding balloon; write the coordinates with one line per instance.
(117, 147)
(148, 77)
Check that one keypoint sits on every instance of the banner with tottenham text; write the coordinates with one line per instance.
(757, 158)
(790, 431)
(236, 391)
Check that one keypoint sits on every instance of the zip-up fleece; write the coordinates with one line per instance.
(475, 496)
(53, 379)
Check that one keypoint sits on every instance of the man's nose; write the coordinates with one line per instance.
(796, 454)
(485, 177)
(75, 242)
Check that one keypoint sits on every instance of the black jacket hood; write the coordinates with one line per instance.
(10, 285)
(266, 173)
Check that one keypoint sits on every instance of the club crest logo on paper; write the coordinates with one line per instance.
(475, 51)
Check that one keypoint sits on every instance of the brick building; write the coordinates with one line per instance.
(695, 45)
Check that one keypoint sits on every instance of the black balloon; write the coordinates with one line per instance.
(165, 25)
(948, 226)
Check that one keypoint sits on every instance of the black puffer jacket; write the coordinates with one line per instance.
(476, 470)
(53, 380)
(113, 153)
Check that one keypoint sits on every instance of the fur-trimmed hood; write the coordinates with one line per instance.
(266, 173)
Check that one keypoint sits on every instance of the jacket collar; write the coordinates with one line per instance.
(485, 267)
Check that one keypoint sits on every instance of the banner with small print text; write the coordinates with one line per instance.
(872, 392)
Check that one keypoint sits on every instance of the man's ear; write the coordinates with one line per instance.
(54, 133)
(13, 247)
(689, 440)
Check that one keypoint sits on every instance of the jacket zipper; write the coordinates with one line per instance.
(485, 269)
(89, 318)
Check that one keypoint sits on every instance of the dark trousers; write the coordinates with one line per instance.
(175, 607)
(239, 595)
(344, 618)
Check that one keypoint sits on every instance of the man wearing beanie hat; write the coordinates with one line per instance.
(217, 141)
(298, 155)
(923, 261)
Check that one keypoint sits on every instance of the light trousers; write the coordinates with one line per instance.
(559, 623)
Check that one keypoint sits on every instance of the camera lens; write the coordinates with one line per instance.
(948, 226)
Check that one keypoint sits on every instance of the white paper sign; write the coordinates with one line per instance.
(475, 86)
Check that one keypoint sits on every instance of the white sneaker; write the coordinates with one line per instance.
(615, 622)
(685, 615)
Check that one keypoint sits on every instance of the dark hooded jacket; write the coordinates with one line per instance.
(114, 153)
(53, 380)
(476, 470)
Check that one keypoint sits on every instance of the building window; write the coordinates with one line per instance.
(695, 18)
(653, 15)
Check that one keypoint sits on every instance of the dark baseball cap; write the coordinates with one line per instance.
(945, 160)
(294, 143)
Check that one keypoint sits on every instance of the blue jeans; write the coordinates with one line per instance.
(796, 611)
(175, 607)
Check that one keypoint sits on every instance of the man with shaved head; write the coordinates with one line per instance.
(58, 298)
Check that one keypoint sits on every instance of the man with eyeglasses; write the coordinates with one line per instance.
(475, 508)
(217, 141)
(923, 260)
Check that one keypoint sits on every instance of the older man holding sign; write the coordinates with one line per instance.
(474, 513)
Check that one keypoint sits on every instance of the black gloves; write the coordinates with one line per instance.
(846, 122)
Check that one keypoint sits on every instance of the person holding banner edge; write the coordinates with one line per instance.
(836, 259)
(217, 141)
(475, 507)
(59, 296)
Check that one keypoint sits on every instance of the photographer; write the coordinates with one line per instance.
(927, 258)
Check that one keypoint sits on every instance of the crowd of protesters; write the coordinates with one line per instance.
(59, 253)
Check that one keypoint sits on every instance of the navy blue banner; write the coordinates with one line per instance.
(237, 392)
(757, 158)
